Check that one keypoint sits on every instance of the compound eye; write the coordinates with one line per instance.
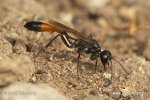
(105, 56)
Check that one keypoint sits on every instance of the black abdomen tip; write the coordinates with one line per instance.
(33, 26)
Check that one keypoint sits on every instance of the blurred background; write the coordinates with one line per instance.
(121, 26)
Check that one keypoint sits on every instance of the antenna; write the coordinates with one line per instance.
(120, 65)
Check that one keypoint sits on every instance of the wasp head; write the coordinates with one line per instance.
(105, 57)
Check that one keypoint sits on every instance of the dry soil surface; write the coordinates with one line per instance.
(121, 26)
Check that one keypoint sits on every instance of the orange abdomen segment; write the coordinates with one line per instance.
(48, 27)
(41, 27)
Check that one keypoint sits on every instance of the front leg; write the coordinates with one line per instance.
(94, 56)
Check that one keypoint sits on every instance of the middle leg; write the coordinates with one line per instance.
(78, 59)
(96, 65)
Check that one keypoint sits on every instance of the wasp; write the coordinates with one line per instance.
(82, 43)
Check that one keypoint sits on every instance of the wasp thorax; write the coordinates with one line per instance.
(95, 45)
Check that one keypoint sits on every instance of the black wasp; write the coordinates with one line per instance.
(81, 43)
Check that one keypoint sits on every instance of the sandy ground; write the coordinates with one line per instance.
(121, 26)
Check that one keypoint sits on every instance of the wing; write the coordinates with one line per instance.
(55, 27)
(65, 28)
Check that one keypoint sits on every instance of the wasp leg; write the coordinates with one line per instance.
(50, 42)
(96, 65)
(104, 67)
(78, 59)
(65, 39)
(47, 45)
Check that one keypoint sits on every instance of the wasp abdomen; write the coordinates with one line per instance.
(33, 26)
